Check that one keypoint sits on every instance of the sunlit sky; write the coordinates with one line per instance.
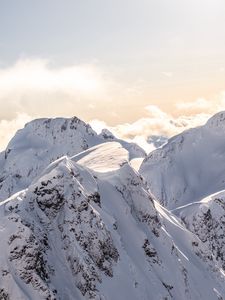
(112, 61)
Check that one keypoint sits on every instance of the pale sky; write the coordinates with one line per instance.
(110, 60)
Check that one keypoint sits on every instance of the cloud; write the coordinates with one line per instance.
(36, 87)
(157, 123)
(38, 75)
(183, 116)
(202, 105)
(199, 104)
(9, 128)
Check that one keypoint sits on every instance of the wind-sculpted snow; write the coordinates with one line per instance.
(43, 141)
(190, 166)
(80, 231)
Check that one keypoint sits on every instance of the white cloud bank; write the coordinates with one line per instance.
(33, 87)
(38, 75)
(158, 122)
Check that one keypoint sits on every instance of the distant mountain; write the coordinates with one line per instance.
(190, 166)
(157, 140)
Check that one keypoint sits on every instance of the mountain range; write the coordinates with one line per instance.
(78, 221)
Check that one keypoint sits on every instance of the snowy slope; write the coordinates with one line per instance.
(42, 141)
(87, 228)
(190, 166)
(206, 219)
(84, 224)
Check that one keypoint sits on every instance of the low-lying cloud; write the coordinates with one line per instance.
(160, 123)
(38, 75)
(202, 105)
(35, 87)
(8, 128)
(157, 122)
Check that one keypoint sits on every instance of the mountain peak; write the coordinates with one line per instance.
(218, 120)
(106, 134)
(43, 141)
(59, 124)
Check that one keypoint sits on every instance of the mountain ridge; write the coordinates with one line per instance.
(90, 226)
(42, 141)
(176, 172)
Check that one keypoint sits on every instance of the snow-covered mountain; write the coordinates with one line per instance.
(82, 223)
(157, 140)
(42, 141)
(190, 166)
(206, 219)
(90, 230)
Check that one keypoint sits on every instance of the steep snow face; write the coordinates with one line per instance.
(41, 142)
(206, 219)
(81, 231)
(58, 246)
(190, 166)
